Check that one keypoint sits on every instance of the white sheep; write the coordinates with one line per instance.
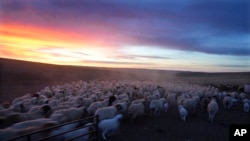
(234, 94)
(228, 102)
(61, 106)
(84, 131)
(37, 99)
(36, 122)
(242, 96)
(145, 102)
(165, 107)
(69, 114)
(190, 104)
(53, 102)
(110, 126)
(204, 103)
(212, 109)
(182, 97)
(136, 110)
(108, 112)
(73, 130)
(84, 102)
(26, 127)
(151, 97)
(245, 100)
(20, 99)
(41, 112)
(37, 108)
(124, 106)
(18, 107)
(138, 101)
(156, 106)
(124, 96)
(71, 104)
(8, 133)
(246, 107)
(57, 132)
(171, 98)
(96, 105)
(182, 112)
(47, 92)
(4, 105)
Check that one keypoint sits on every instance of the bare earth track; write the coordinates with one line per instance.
(18, 78)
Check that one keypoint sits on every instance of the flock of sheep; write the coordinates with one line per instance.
(110, 101)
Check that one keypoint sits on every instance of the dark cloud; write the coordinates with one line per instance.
(150, 57)
(136, 57)
(225, 16)
(182, 25)
(117, 63)
(234, 66)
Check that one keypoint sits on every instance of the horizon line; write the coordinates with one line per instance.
(135, 68)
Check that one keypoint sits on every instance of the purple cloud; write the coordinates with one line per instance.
(202, 26)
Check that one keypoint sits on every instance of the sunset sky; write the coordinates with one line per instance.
(190, 35)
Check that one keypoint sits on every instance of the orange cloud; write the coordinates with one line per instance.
(34, 43)
(34, 34)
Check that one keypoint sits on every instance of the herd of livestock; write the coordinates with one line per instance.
(111, 101)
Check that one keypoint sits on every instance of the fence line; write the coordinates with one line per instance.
(94, 120)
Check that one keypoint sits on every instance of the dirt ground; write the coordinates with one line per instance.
(169, 127)
(18, 78)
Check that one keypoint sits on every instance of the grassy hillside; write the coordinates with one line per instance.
(21, 77)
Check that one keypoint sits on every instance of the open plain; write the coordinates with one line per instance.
(18, 78)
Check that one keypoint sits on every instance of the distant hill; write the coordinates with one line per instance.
(16, 70)
(22, 77)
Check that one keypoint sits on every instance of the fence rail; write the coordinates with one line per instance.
(93, 119)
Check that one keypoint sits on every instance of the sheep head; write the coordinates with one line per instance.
(111, 100)
(19, 107)
(84, 111)
(79, 101)
(119, 117)
(119, 108)
(46, 110)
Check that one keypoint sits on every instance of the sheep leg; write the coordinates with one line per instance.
(156, 112)
(212, 117)
(184, 118)
(152, 112)
(103, 135)
(132, 120)
(159, 112)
